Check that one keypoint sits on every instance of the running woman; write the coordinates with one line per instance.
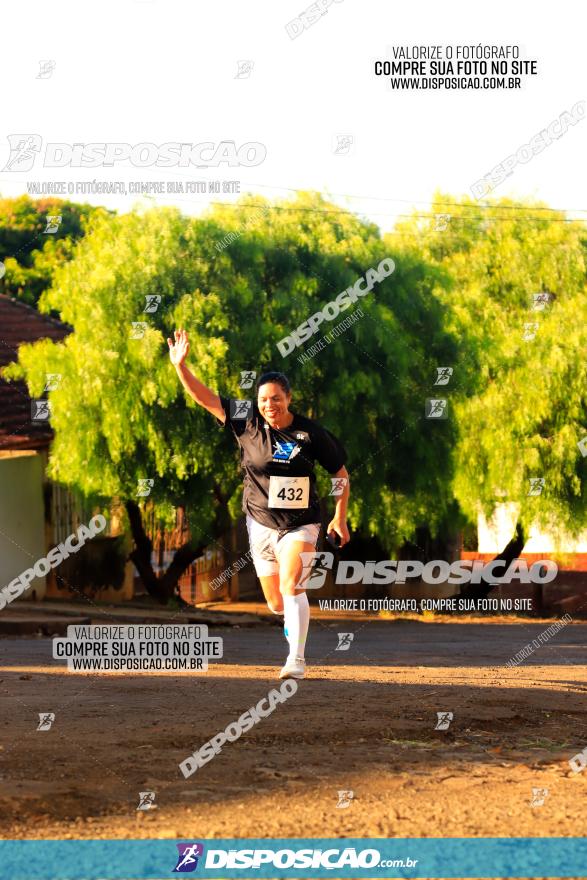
(278, 450)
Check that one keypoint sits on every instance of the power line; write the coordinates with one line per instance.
(519, 207)
(479, 205)
(527, 209)
(430, 216)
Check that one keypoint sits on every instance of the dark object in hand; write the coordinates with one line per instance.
(333, 539)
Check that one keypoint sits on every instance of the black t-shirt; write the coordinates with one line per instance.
(278, 463)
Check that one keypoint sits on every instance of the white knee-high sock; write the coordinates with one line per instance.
(296, 613)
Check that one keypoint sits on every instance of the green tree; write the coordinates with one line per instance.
(239, 280)
(522, 413)
(29, 254)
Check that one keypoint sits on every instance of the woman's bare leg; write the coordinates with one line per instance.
(271, 591)
(291, 567)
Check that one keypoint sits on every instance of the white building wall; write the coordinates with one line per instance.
(22, 518)
(495, 533)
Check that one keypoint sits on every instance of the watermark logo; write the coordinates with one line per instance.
(251, 220)
(338, 485)
(55, 557)
(152, 303)
(344, 641)
(314, 568)
(443, 375)
(247, 379)
(579, 761)
(331, 336)
(444, 720)
(526, 152)
(46, 69)
(24, 149)
(52, 381)
(137, 649)
(53, 223)
(542, 639)
(541, 300)
(536, 485)
(331, 310)
(144, 487)
(188, 855)
(235, 729)
(138, 329)
(241, 409)
(244, 69)
(441, 222)
(273, 860)
(436, 408)
(343, 144)
(229, 572)
(308, 17)
(40, 410)
(539, 796)
(345, 798)
(436, 571)
(147, 800)
(46, 719)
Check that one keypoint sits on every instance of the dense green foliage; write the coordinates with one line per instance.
(29, 253)
(458, 297)
(525, 369)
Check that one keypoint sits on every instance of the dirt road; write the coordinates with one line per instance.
(363, 721)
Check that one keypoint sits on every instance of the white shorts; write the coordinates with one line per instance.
(266, 545)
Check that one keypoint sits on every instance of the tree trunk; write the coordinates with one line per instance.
(511, 552)
(161, 588)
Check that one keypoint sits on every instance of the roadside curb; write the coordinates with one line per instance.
(21, 620)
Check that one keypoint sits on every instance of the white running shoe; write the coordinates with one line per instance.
(295, 667)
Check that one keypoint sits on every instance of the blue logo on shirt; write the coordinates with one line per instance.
(285, 450)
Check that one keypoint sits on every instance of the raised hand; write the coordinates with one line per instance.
(178, 350)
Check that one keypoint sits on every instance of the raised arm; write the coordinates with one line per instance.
(178, 351)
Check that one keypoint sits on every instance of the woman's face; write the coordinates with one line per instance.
(273, 403)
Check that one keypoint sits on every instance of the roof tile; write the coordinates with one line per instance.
(20, 323)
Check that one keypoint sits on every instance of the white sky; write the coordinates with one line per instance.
(157, 71)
